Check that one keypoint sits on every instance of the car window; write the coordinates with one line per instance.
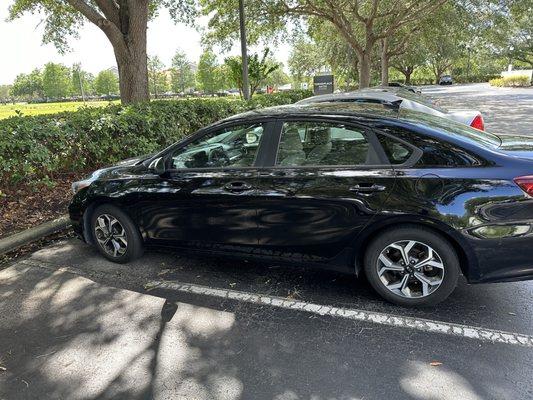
(322, 143)
(435, 153)
(396, 151)
(235, 146)
(453, 128)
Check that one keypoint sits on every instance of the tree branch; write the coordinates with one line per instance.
(411, 14)
(110, 10)
(111, 30)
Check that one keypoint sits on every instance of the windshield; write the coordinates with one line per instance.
(451, 127)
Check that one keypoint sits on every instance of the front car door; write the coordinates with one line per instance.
(206, 197)
(327, 182)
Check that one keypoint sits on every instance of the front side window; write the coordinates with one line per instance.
(235, 146)
(322, 143)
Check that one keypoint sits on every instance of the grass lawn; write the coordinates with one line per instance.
(10, 110)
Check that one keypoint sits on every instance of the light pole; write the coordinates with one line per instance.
(244, 53)
(468, 49)
(80, 80)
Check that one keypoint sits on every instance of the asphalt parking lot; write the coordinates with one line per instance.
(505, 110)
(182, 326)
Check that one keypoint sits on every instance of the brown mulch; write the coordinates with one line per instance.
(28, 205)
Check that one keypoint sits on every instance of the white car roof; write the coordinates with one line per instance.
(396, 96)
(370, 94)
(376, 95)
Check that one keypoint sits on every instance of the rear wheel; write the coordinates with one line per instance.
(412, 266)
(115, 235)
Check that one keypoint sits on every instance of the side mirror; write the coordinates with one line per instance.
(157, 166)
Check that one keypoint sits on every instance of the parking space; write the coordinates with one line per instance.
(181, 344)
(505, 307)
(174, 325)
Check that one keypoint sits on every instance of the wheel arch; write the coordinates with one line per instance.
(467, 258)
(88, 212)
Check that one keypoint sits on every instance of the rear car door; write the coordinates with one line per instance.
(325, 184)
(206, 198)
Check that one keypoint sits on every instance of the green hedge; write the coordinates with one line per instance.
(511, 81)
(37, 148)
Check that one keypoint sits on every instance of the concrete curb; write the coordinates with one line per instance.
(31, 235)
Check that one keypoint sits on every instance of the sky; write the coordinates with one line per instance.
(22, 49)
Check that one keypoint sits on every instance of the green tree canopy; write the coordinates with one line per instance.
(82, 81)
(56, 81)
(28, 85)
(259, 69)
(157, 77)
(305, 59)
(5, 92)
(209, 74)
(361, 24)
(124, 22)
(106, 83)
(182, 74)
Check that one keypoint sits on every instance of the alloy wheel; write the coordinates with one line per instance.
(410, 269)
(111, 235)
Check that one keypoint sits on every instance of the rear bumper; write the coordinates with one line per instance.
(514, 275)
(502, 260)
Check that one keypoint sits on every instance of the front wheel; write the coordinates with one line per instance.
(412, 266)
(115, 235)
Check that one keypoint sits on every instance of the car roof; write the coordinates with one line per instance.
(324, 109)
(382, 94)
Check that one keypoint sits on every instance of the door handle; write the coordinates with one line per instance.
(362, 188)
(237, 187)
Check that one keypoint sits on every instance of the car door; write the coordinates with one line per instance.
(206, 197)
(327, 182)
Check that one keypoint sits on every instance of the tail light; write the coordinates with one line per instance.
(525, 183)
(478, 123)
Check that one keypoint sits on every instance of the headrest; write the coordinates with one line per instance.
(291, 140)
(319, 135)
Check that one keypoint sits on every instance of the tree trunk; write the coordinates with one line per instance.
(385, 62)
(133, 78)
(407, 74)
(364, 70)
(130, 52)
(407, 71)
(438, 73)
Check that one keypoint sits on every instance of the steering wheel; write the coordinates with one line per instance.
(218, 157)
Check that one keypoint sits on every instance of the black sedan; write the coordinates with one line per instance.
(410, 200)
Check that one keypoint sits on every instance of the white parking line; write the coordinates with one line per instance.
(420, 324)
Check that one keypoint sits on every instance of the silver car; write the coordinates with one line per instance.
(402, 99)
(445, 80)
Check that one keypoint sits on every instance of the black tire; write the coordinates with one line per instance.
(439, 244)
(134, 247)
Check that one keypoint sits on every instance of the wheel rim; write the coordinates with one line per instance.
(410, 269)
(111, 235)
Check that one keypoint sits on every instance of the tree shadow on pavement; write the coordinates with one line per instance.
(66, 337)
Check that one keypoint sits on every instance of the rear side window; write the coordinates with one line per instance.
(435, 154)
(323, 143)
(396, 151)
(454, 128)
